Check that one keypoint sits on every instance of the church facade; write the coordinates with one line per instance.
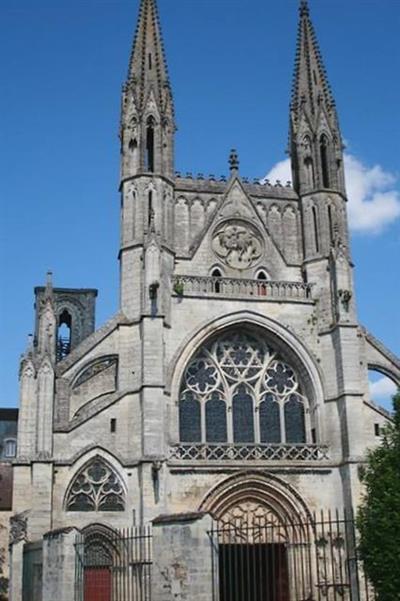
(234, 378)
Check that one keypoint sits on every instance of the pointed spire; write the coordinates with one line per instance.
(310, 83)
(147, 66)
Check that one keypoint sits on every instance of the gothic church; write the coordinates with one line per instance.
(233, 380)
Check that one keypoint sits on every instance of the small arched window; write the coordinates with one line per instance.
(309, 169)
(10, 448)
(324, 147)
(238, 389)
(262, 277)
(133, 149)
(64, 334)
(216, 273)
(150, 144)
(315, 228)
(331, 224)
(150, 207)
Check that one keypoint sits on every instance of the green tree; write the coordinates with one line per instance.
(3, 580)
(379, 514)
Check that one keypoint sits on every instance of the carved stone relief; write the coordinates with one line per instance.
(238, 244)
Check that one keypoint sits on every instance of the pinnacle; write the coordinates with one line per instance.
(310, 83)
(147, 65)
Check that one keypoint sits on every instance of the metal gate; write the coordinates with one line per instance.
(313, 559)
(32, 572)
(114, 565)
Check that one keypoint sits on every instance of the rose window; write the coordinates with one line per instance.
(239, 389)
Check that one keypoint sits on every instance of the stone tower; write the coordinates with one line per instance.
(234, 374)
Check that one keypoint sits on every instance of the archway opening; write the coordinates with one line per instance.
(262, 278)
(98, 558)
(261, 537)
(381, 389)
(324, 146)
(64, 331)
(216, 273)
(150, 144)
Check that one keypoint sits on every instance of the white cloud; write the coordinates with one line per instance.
(382, 390)
(374, 201)
(281, 171)
(374, 195)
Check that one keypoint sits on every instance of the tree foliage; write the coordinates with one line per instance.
(3, 580)
(379, 515)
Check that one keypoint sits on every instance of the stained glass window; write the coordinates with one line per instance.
(270, 420)
(190, 426)
(216, 419)
(243, 415)
(96, 488)
(294, 419)
(237, 388)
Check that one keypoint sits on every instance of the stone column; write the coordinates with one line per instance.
(182, 558)
(59, 565)
(16, 570)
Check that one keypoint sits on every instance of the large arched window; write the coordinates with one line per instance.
(239, 389)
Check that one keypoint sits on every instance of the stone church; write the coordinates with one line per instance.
(233, 381)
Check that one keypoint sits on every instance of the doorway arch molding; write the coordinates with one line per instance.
(268, 490)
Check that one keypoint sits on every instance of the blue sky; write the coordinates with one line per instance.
(230, 63)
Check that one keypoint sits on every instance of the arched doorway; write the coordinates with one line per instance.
(97, 561)
(262, 540)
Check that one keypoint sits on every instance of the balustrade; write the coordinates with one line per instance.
(191, 285)
(248, 452)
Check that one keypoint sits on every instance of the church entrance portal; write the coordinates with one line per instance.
(253, 554)
(253, 572)
(97, 585)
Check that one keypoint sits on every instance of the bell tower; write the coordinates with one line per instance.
(147, 115)
(316, 147)
(147, 170)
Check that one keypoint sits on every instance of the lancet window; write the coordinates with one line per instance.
(96, 488)
(239, 389)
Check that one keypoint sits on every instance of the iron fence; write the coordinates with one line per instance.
(314, 559)
(114, 565)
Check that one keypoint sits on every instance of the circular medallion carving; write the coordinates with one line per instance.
(237, 244)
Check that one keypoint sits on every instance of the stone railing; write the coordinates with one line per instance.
(192, 285)
(247, 452)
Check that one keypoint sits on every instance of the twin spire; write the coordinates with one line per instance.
(148, 122)
(147, 66)
(310, 84)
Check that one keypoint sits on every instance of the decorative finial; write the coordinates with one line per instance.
(234, 161)
(49, 284)
(304, 10)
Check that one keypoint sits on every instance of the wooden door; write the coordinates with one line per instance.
(97, 584)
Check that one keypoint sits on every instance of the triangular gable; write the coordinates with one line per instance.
(236, 204)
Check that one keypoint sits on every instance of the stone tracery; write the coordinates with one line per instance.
(239, 389)
(96, 488)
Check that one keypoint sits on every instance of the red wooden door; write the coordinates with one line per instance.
(97, 584)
